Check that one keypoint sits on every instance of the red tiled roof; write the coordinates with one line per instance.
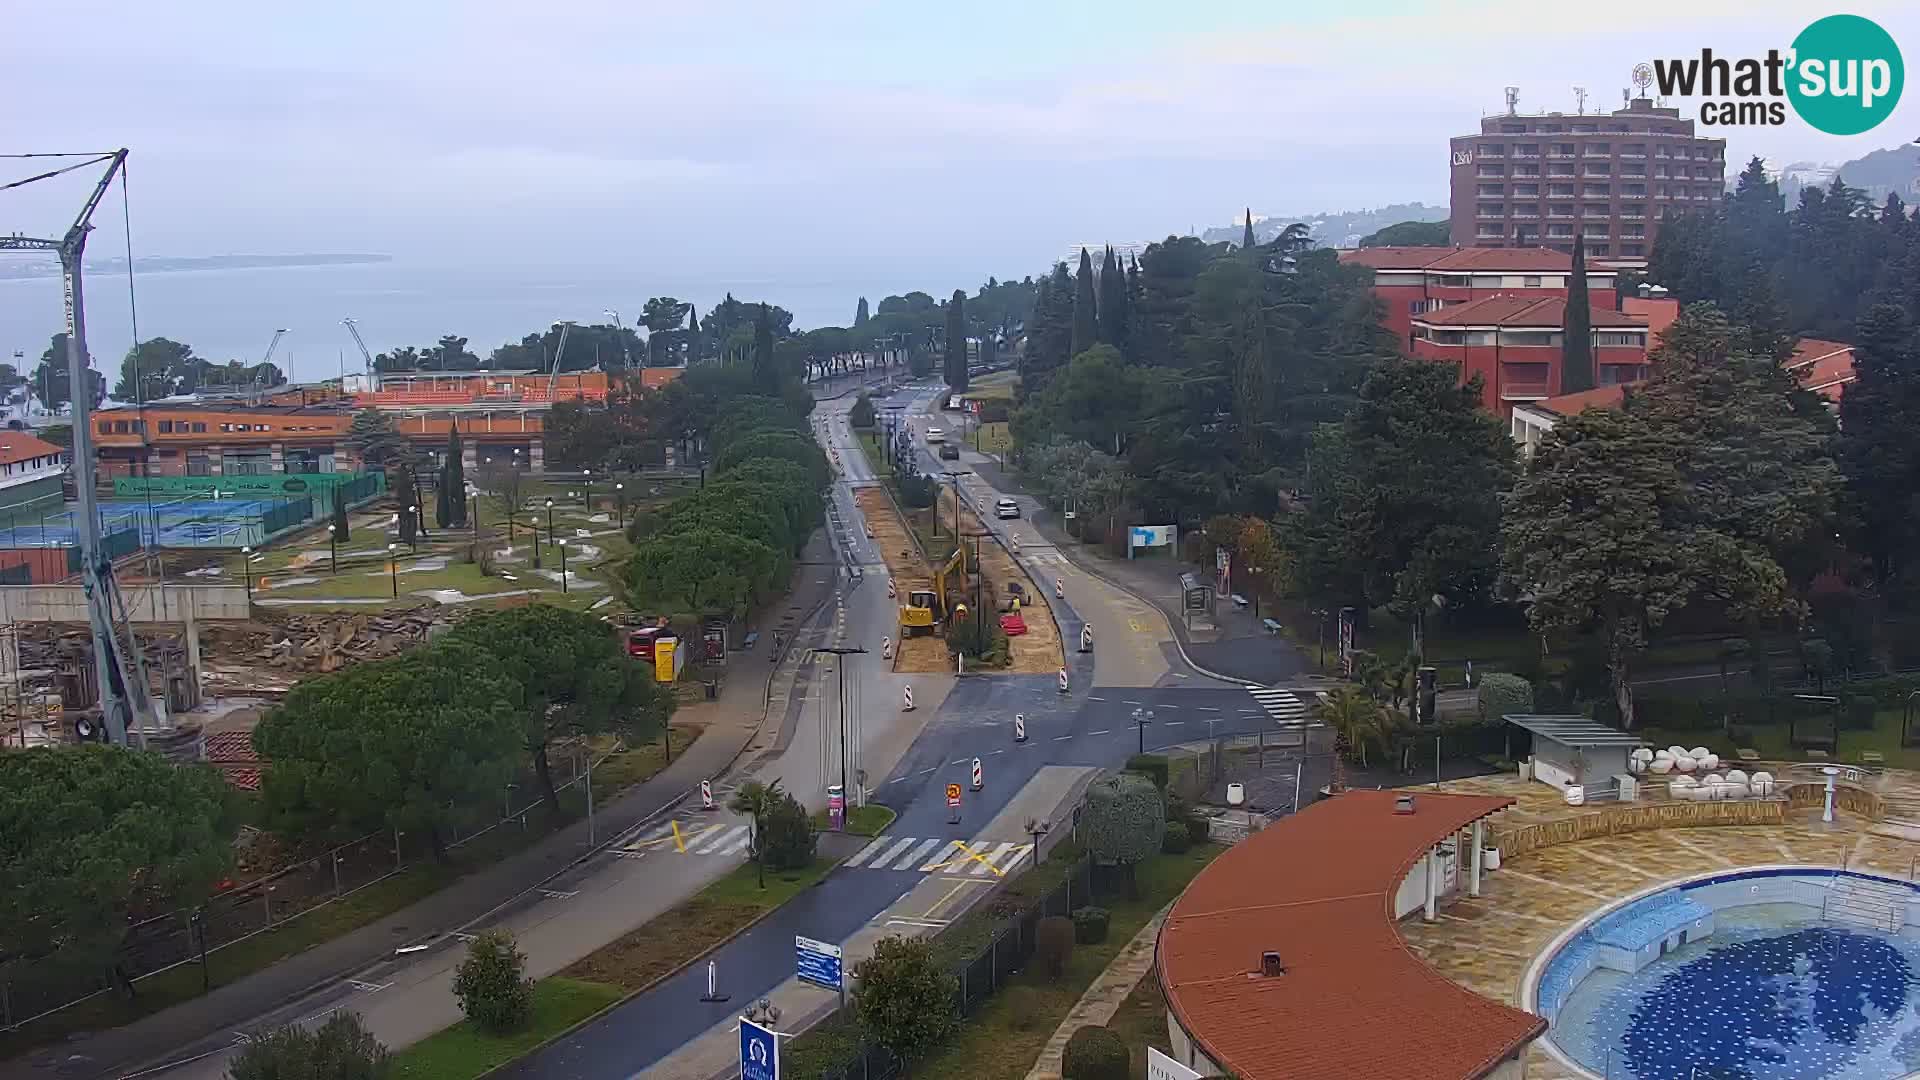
(230, 746)
(1501, 309)
(18, 446)
(244, 777)
(1600, 397)
(1824, 367)
(1657, 312)
(1460, 260)
(1354, 1002)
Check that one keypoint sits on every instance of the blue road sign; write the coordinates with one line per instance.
(759, 1052)
(818, 962)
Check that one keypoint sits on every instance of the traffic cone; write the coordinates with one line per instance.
(906, 703)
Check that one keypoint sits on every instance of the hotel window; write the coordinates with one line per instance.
(199, 428)
(1619, 337)
(1531, 281)
(106, 427)
(119, 427)
(166, 427)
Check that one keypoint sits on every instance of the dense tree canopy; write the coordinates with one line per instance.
(93, 837)
(1411, 234)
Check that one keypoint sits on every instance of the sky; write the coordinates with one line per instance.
(778, 138)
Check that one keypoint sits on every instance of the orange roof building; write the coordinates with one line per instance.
(1824, 367)
(1282, 960)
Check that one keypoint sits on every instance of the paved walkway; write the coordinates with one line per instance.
(731, 724)
(1104, 997)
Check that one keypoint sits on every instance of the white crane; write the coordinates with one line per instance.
(625, 352)
(260, 372)
(559, 349)
(353, 328)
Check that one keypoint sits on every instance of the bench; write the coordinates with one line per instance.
(752, 639)
(1239, 601)
(1272, 626)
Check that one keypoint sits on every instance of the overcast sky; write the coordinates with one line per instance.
(772, 135)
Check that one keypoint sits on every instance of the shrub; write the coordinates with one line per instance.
(1174, 839)
(1501, 693)
(1090, 925)
(1856, 713)
(861, 415)
(788, 835)
(903, 996)
(1741, 736)
(492, 985)
(342, 1049)
(1052, 945)
(1199, 828)
(1095, 1053)
(1151, 766)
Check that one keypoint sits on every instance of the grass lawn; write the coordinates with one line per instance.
(680, 935)
(994, 438)
(1142, 1022)
(1006, 1035)
(460, 1052)
(866, 820)
(876, 456)
(1772, 742)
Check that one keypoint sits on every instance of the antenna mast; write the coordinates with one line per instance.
(1513, 100)
(1580, 97)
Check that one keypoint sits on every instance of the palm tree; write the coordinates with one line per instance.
(757, 800)
(1357, 721)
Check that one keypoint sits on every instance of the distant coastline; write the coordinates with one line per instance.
(175, 264)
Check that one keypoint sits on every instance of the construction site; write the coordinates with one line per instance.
(937, 579)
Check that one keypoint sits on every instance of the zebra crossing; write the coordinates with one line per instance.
(979, 858)
(687, 835)
(1284, 706)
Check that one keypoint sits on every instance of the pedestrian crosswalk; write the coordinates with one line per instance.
(690, 837)
(978, 858)
(1284, 706)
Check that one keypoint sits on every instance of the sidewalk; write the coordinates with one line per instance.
(731, 723)
(1235, 646)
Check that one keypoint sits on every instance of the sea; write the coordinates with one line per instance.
(233, 313)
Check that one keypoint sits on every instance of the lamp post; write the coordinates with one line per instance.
(413, 534)
(549, 521)
(620, 502)
(333, 548)
(563, 566)
(246, 572)
(1141, 718)
(393, 568)
(1253, 576)
(586, 489)
(473, 508)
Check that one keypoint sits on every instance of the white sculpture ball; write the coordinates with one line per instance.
(1660, 766)
(1679, 786)
(1676, 751)
(1736, 776)
(1685, 763)
(1712, 761)
(1643, 755)
(1698, 752)
(1711, 778)
(1762, 783)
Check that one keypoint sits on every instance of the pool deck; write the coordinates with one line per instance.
(1486, 944)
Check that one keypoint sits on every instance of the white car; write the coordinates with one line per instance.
(935, 435)
(1006, 508)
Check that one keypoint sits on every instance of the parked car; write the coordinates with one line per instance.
(1006, 508)
(949, 452)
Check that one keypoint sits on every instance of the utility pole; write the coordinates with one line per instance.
(842, 652)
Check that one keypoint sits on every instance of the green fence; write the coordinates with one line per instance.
(264, 485)
(117, 544)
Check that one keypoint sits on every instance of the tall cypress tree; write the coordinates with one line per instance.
(1247, 242)
(693, 333)
(1576, 356)
(1113, 302)
(454, 480)
(339, 515)
(765, 376)
(957, 341)
(1085, 316)
(860, 315)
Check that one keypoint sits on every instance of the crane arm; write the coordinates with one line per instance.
(355, 331)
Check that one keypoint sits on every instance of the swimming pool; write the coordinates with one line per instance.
(1774, 973)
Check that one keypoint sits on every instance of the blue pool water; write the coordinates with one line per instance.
(1774, 993)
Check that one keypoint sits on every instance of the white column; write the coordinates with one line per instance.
(1433, 868)
(1479, 852)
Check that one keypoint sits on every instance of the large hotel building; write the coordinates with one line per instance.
(1531, 180)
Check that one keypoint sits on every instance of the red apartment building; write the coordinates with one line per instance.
(1527, 180)
(1414, 281)
(1515, 342)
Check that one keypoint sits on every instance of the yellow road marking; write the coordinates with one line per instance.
(947, 899)
(1137, 626)
(972, 856)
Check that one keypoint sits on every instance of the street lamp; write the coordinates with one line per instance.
(1253, 575)
(333, 548)
(473, 508)
(620, 502)
(413, 534)
(563, 566)
(1141, 718)
(586, 489)
(246, 572)
(393, 568)
(1320, 624)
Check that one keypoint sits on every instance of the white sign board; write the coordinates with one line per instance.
(1162, 1067)
(1150, 536)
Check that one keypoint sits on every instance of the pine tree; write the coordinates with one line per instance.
(766, 376)
(1879, 444)
(1113, 302)
(1085, 316)
(957, 341)
(860, 315)
(1247, 242)
(693, 333)
(1576, 356)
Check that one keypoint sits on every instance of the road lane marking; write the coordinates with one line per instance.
(867, 851)
(1061, 738)
(898, 847)
(917, 855)
(1102, 731)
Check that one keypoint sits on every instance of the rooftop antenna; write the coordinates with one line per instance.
(1580, 98)
(1642, 77)
(126, 704)
(1513, 100)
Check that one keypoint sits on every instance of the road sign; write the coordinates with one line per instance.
(817, 962)
(1162, 1067)
(953, 794)
(979, 780)
(759, 1052)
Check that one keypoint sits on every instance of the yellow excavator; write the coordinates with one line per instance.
(925, 609)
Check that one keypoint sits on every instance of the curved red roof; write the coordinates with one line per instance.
(1354, 1001)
